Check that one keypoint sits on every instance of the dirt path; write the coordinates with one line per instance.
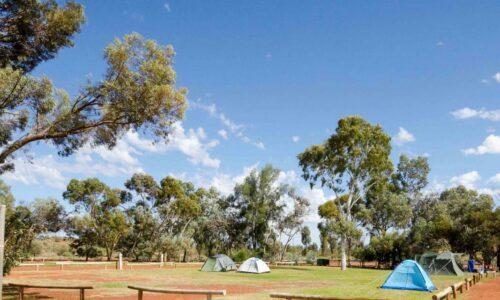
(484, 290)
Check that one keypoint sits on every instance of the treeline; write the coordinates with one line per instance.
(262, 215)
(172, 217)
(389, 203)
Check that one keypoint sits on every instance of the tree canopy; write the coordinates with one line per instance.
(33, 31)
(348, 163)
(136, 92)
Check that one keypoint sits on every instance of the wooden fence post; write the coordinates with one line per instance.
(119, 263)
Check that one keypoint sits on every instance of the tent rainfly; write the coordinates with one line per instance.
(254, 265)
(409, 275)
(218, 263)
(445, 263)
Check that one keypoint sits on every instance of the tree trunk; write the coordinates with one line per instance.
(349, 247)
(343, 246)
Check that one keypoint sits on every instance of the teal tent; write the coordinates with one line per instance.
(218, 263)
(409, 275)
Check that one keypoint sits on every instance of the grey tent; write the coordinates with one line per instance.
(446, 263)
(254, 265)
(218, 263)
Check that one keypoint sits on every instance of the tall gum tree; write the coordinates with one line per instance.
(347, 163)
(137, 91)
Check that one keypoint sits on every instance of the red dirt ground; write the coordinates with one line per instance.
(486, 289)
(87, 276)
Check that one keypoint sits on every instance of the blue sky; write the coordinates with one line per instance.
(266, 79)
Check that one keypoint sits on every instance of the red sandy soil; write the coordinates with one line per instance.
(90, 276)
(486, 289)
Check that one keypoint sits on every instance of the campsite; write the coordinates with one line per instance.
(325, 281)
(249, 149)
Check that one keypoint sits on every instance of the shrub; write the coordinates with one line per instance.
(242, 255)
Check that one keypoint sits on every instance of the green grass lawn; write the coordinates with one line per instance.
(302, 280)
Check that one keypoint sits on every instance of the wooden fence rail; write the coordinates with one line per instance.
(459, 286)
(444, 294)
(310, 297)
(492, 273)
(21, 286)
(61, 264)
(208, 293)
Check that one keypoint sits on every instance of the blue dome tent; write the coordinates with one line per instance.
(409, 275)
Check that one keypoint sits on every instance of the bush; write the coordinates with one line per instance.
(242, 255)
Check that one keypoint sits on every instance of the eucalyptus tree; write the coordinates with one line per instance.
(211, 227)
(178, 206)
(305, 238)
(137, 92)
(411, 176)
(289, 221)
(143, 191)
(347, 163)
(256, 202)
(471, 216)
(33, 31)
(260, 214)
(385, 208)
(25, 223)
(100, 204)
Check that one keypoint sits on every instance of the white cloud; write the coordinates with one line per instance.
(43, 170)
(259, 145)
(295, 138)
(497, 77)
(288, 177)
(491, 145)
(222, 133)
(191, 143)
(468, 113)
(495, 193)
(495, 179)
(468, 180)
(316, 197)
(121, 153)
(225, 183)
(233, 127)
(120, 160)
(486, 81)
(402, 137)
(435, 187)
(167, 6)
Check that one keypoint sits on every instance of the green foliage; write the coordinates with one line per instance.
(211, 227)
(24, 223)
(259, 218)
(305, 237)
(411, 175)
(348, 163)
(33, 31)
(242, 254)
(103, 219)
(257, 203)
(137, 92)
